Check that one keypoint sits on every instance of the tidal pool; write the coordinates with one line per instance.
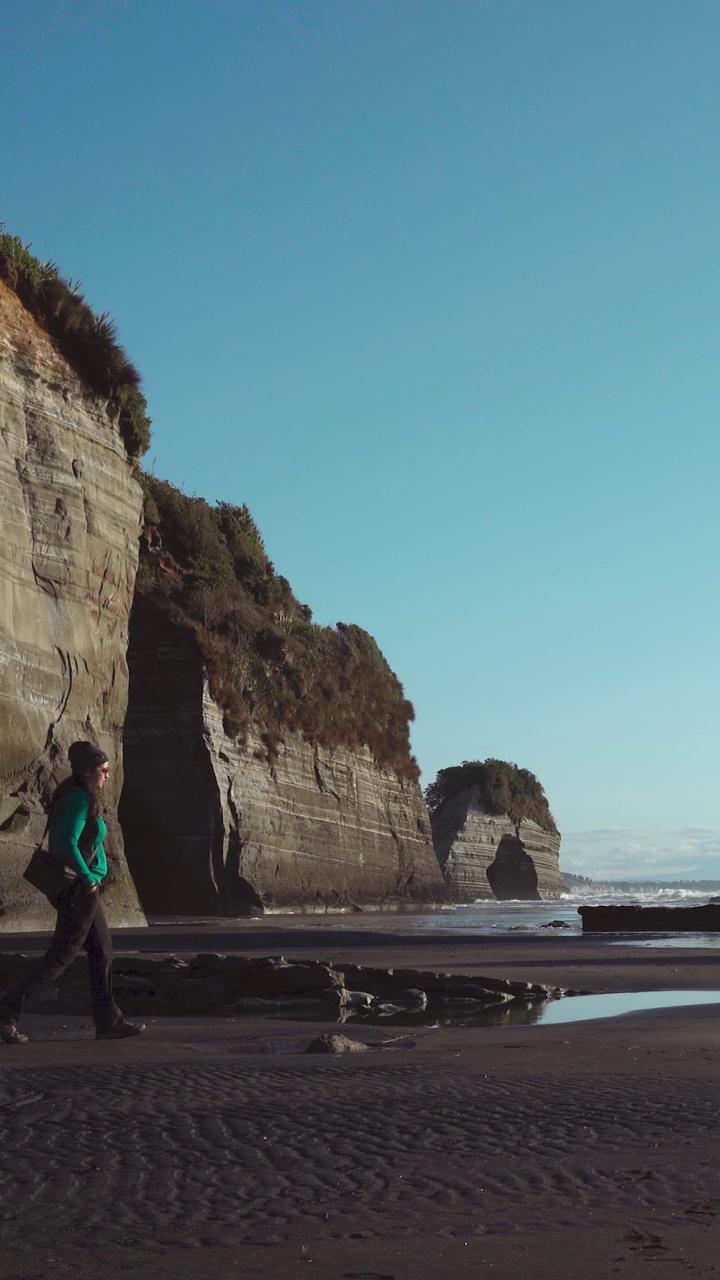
(610, 1005)
(543, 1012)
(515, 1013)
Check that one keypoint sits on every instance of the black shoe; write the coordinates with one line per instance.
(121, 1031)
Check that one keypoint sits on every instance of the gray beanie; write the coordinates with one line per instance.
(84, 757)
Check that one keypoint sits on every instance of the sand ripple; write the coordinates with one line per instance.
(231, 1153)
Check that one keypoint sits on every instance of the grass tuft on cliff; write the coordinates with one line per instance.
(87, 341)
(504, 789)
(268, 663)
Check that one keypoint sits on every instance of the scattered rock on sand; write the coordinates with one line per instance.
(336, 1044)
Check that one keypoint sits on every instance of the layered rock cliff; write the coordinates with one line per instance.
(215, 823)
(69, 520)
(487, 856)
(268, 758)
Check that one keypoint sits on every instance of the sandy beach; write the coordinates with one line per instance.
(216, 1147)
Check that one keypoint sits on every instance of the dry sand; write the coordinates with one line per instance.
(217, 1148)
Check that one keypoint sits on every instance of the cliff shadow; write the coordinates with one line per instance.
(169, 808)
(165, 879)
(240, 898)
(512, 874)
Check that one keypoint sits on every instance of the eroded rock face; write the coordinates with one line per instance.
(69, 518)
(212, 828)
(488, 857)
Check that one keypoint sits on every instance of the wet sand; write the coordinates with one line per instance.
(583, 962)
(215, 1147)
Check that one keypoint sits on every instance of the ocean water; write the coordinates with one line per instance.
(491, 919)
(529, 918)
(534, 917)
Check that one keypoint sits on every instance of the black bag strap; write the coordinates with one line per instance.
(47, 828)
(53, 814)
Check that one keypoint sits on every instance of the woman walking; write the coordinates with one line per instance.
(76, 833)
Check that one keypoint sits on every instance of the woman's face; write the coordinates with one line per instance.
(98, 777)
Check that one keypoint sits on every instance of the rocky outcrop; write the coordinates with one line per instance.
(629, 918)
(69, 519)
(485, 857)
(213, 827)
(274, 987)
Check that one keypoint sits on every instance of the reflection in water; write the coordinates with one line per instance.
(514, 1013)
(518, 1013)
(568, 1009)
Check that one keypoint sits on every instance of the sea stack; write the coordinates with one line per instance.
(494, 834)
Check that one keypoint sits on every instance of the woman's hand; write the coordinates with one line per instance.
(92, 888)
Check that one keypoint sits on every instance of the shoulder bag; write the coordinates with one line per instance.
(45, 872)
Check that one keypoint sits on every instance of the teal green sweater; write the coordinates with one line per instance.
(66, 832)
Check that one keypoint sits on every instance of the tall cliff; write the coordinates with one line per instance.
(493, 832)
(69, 520)
(267, 759)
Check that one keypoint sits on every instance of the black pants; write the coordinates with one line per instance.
(80, 923)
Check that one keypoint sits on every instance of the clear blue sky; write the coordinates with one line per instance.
(433, 286)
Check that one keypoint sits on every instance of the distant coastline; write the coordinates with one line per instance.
(577, 883)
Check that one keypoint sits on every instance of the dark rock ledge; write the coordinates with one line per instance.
(632, 918)
(232, 986)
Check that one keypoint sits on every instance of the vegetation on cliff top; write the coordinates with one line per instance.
(87, 341)
(268, 663)
(504, 789)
